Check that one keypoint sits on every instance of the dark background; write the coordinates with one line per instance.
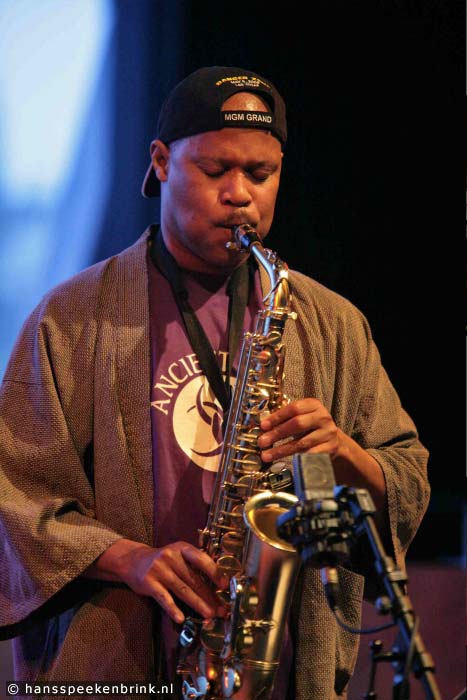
(372, 191)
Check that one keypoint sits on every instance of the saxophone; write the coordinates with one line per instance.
(238, 656)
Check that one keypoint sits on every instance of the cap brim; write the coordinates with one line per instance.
(151, 185)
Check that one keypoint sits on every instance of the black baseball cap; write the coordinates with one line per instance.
(194, 106)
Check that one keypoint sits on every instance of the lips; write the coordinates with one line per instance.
(230, 223)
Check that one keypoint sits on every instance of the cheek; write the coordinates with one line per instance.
(194, 208)
(266, 201)
(195, 195)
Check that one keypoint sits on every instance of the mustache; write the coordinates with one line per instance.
(237, 220)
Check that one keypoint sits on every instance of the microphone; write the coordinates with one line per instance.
(314, 525)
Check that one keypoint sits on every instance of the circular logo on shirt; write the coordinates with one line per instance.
(197, 423)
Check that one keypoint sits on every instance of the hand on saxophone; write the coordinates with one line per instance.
(308, 423)
(178, 570)
(312, 429)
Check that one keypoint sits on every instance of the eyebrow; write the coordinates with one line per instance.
(228, 162)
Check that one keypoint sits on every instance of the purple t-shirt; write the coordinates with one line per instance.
(187, 418)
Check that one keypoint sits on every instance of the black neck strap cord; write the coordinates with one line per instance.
(238, 291)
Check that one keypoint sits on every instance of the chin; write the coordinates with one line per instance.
(223, 263)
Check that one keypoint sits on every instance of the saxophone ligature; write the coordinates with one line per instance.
(237, 656)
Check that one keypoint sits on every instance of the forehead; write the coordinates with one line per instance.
(239, 144)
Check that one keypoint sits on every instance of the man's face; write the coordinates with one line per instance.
(211, 182)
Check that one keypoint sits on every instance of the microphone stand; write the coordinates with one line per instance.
(410, 648)
(321, 526)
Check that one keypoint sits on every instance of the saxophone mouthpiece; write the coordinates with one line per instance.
(243, 236)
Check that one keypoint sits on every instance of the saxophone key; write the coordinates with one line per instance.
(229, 564)
(245, 463)
(231, 681)
(212, 634)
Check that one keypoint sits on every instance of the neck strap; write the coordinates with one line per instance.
(238, 290)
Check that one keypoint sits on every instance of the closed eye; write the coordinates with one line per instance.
(259, 175)
(256, 175)
(257, 172)
(214, 173)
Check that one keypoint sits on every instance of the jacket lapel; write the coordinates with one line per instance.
(133, 377)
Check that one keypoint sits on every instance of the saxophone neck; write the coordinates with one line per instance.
(245, 238)
(278, 296)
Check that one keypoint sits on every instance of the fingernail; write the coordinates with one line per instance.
(264, 441)
(266, 456)
(266, 424)
(179, 618)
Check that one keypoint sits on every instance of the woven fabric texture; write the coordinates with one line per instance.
(76, 473)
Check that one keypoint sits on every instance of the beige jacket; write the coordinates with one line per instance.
(76, 473)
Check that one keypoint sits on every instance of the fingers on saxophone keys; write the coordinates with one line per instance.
(203, 562)
(299, 443)
(292, 427)
(179, 572)
(167, 603)
(300, 411)
(202, 600)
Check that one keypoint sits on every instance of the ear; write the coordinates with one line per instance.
(160, 156)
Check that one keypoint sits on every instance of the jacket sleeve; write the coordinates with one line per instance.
(342, 367)
(48, 530)
(389, 435)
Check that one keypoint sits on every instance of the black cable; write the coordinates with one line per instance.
(356, 630)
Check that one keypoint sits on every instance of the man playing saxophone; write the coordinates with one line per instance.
(122, 380)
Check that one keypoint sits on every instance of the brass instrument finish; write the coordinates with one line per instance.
(237, 656)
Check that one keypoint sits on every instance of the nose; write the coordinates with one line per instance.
(235, 189)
